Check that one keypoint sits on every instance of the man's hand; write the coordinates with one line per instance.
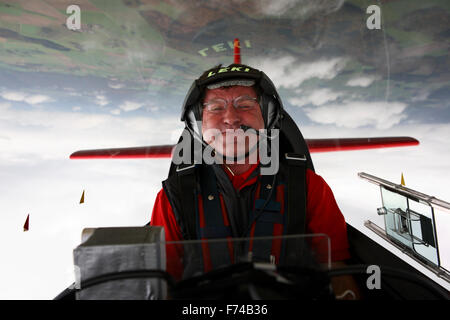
(344, 287)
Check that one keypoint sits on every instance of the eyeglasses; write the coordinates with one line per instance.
(241, 103)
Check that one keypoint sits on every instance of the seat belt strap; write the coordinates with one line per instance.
(296, 207)
(187, 188)
(264, 225)
(296, 213)
(214, 225)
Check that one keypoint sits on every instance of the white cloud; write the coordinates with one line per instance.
(37, 98)
(130, 106)
(115, 112)
(101, 100)
(76, 108)
(122, 192)
(21, 96)
(288, 72)
(354, 114)
(116, 85)
(13, 96)
(276, 8)
(361, 81)
(37, 261)
(317, 97)
(152, 108)
(38, 178)
(299, 8)
(40, 134)
(4, 106)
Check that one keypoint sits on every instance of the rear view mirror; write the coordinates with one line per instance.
(409, 222)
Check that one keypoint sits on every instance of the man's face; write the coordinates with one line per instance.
(218, 127)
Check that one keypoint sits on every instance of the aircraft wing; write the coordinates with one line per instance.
(349, 144)
(315, 145)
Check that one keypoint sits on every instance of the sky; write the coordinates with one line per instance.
(336, 79)
(40, 180)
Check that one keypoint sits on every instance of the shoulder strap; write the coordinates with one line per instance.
(215, 254)
(187, 185)
(212, 210)
(296, 222)
(296, 213)
(266, 212)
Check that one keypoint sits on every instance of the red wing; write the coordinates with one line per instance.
(164, 151)
(348, 144)
(315, 145)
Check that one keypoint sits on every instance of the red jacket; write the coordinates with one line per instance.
(322, 216)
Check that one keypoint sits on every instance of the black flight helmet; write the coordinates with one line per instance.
(274, 115)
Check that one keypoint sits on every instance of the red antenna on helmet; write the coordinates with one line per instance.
(237, 51)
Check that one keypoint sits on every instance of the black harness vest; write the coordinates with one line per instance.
(197, 200)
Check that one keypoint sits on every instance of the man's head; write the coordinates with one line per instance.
(231, 85)
(224, 110)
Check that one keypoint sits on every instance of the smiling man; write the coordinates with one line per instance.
(225, 110)
(231, 199)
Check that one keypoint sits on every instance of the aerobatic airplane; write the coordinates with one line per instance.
(374, 73)
(409, 226)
